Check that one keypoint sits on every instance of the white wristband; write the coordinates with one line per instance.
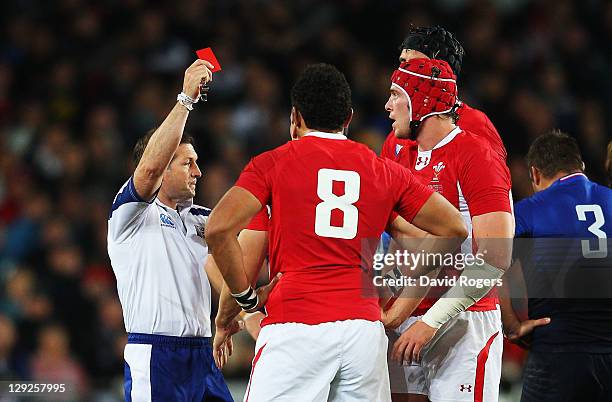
(186, 100)
(464, 294)
(247, 299)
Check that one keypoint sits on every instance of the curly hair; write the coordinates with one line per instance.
(323, 97)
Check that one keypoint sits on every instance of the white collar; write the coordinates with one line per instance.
(329, 136)
(183, 205)
(448, 138)
(569, 176)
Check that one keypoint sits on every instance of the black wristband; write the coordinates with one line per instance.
(247, 300)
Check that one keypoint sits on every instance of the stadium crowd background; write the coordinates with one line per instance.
(81, 81)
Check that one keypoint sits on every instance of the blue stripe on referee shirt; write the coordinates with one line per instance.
(129, 194)
(200, 211)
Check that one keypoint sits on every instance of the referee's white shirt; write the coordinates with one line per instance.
(158, 255)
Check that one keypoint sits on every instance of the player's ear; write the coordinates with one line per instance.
(297, 116)
(535, 175)
(348, 120)
(346, 123)
(293, 127)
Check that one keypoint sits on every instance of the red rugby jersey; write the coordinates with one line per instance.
(471, 176)
(261, 221)
(331, 198)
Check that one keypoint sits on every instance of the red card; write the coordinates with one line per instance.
(208, 55)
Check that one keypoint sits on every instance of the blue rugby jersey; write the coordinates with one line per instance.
(571, 224)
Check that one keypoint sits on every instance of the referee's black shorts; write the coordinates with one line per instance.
(567, 377)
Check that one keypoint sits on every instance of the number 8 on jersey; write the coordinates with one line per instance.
(330, 201)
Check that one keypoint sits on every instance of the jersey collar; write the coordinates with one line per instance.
(571, 176)
(183, 205)
(449, 137)
(329, 136)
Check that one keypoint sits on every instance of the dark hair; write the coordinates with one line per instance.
(555, 152)
(143, 141)
(323, 97)
(436, 43)
(453, 115)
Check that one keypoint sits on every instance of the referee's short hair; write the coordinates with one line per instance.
(142, 142)
(555, 152)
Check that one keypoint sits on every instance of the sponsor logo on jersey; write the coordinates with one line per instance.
(166, 221)
(422, 160)
(465, 387)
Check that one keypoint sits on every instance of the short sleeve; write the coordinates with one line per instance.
(485, 182)
(411, 195)
(522, 219)
(261, 221)
(255, 178)
(127, 213)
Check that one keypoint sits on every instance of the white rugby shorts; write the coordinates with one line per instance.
(462, 362)
(332, 361)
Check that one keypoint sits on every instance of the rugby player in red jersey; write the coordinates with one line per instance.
(456, 354)
(330, 199)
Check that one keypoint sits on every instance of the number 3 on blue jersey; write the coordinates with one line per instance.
(595, 228)
(330, 201)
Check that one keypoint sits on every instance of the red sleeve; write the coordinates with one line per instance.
(496, 141)
(388, 148)
(255, 177)
(260, 221)
(478, 123)
(411, 195)
(485, 181)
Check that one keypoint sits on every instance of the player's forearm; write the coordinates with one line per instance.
(509, 317)
(402, 228)
(228, 256)
(254, 245)
(425, 252)
(440, 218)
(476, 280)
(493, 233)
(400, 310)
(228, 308)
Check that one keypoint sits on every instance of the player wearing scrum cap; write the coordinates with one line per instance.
(454, 342)
(438, 43)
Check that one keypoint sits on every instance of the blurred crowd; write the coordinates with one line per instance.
(81, 81)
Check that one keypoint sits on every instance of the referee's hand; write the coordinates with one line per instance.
(196, 74)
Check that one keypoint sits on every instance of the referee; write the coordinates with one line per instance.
(157, 249)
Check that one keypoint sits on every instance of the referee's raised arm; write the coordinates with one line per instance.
(166, 139)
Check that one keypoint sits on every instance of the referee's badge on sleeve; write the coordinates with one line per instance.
(199, 230)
